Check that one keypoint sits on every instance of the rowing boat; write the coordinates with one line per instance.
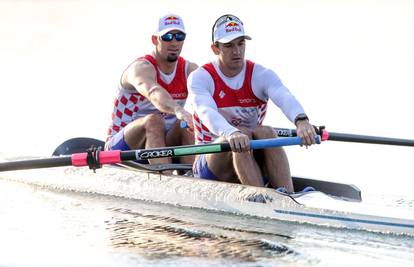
(313, 207)
(331, 204)
(344, 210)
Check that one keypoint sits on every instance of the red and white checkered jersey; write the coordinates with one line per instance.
(239, 107)
(130, 105)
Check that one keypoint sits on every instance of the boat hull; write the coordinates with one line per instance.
(310, 208)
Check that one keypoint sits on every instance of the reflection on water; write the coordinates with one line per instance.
(41, 227)
(160, 237)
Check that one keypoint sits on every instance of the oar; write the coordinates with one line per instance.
(344, 137)
(82, 144)
(94, 157)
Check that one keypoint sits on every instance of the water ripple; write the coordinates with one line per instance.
(159, 237)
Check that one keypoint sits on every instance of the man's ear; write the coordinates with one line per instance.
(215, 48)
(154, 40)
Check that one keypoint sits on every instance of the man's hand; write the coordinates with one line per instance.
(306, 131)
(239, 142)
(184, 115)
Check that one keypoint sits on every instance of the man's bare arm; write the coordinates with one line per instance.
(143, 77)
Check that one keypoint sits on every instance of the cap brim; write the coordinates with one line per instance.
(160, 33)
(231, 37)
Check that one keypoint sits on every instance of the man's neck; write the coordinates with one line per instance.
(164, 65)
(229, 72)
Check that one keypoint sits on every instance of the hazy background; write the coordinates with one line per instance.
(350, 63)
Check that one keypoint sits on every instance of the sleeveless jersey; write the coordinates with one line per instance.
(239, 107)
(130, 105)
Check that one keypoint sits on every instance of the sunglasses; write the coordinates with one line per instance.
(168, 37)
(223, 19)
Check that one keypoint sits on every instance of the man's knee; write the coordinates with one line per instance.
(246, 131)
(154, 121)
(262, 132)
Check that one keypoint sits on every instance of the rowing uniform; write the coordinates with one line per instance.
(130, 105)
(221, 104)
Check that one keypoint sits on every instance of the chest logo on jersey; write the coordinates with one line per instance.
(222, 94)
(247, 101)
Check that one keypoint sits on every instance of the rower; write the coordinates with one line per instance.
(229, 97)
(151, 96)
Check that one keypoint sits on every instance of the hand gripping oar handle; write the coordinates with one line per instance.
(94, 158)
(344, 137)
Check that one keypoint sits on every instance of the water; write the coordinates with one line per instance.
(45, 227)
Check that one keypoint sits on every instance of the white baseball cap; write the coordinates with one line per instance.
(227, 28)
(168, 23)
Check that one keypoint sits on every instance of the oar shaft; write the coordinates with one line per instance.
(166, 152)
(205, 148)
(354, 138)
(36, 163)
(285, 132)
(369, 139)
(111, 157)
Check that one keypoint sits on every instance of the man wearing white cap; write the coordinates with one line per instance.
(151, 96)
(229, 97)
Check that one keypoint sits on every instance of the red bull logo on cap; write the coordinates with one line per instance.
(233, 26)
(171, 20)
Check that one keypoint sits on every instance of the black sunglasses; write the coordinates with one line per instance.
(168, 37)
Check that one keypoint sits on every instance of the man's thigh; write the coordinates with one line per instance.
(134, 133)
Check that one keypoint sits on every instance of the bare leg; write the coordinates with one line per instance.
(276, 164)
(247, 169)
(226, 166)
(147, 132)
(181, 137)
